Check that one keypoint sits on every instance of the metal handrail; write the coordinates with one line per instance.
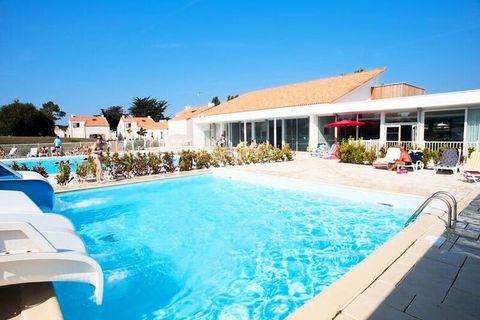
(454, 201)
(436, 196)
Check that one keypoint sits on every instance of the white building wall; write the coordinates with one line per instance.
(362, 93)
(102, 130)
(77, 132)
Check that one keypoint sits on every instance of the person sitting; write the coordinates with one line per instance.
(253, 144)
(2, 152)
(43, 152)
(404, 159)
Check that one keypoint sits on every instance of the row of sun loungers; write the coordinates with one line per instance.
(36, 246)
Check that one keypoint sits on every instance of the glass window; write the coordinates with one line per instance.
(261, 132)
(297, 134)
(396, 117)
(473, 125)
(371, 129)
(237, 135)
(444, 125)
(76, 124)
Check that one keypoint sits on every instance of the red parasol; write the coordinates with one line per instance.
(345, 123)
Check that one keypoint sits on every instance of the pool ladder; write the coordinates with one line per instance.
(446, 198)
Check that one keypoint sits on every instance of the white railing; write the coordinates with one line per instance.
(432, 145)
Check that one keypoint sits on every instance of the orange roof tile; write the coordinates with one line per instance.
(91, 121)
(147, 123)
(191, 112)
(325, 90)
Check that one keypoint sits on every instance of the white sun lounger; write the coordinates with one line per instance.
(12, 153)
(391, 156)
(16, 202)
(33, 152)
(28, 254)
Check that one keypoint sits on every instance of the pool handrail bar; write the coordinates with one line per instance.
(440, 195)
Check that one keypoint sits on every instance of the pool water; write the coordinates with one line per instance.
(50, 164)
(215, 248)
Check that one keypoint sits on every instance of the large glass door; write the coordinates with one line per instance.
(392, 133)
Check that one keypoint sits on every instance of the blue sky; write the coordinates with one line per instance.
(87, 55)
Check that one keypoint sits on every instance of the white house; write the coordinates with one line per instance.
(128, 127)
(88, 127)
(298, 113)
(180, 127)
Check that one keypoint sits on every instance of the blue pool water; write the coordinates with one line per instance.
(50, 164)
(215, 248)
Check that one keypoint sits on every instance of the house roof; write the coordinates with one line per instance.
(147, 123)
(325, 90)
(91, 121)
(191, 112)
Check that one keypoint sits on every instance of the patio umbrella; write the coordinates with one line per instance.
(345, 123)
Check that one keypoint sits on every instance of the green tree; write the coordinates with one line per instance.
(24, 119)
(52, 110)
(231, 97)
(215, 101)
(142, 132)
(143, 107)
(113, 115)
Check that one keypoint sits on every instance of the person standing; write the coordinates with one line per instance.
(97, 158)
(58, 146)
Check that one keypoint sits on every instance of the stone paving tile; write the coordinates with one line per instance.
(389, 294)
(468, 243)
(468, 279)
(433, 269)
(343, 316)
(473, 227)
(395, 273)
(471, 252)
(364, 307)
(445, 256)
(467, 303)
(425, 309)
(466, 233)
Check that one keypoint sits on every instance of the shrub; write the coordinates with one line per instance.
(287, 152)
(470, 150)
(168, 162)
(154, 163)
(41, 170)
(63, 176)
(187, 159)
(382, 152)
(351, 151)
(203, 159)
(82, 171)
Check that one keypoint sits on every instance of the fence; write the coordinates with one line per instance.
(71, 148)
(432, 145)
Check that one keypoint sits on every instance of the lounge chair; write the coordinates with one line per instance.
(12, 153)
(392, 155)
(416, 163)
(29, 254)
(471, 170)
(450, 161)
(320, 151)
(33, 152)
(332, 153)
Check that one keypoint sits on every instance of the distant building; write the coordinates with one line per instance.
(129, 127)
(180, 127)
(88, 127)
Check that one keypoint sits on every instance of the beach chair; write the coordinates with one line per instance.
(416, 164)
(471, 170)
(320, 151)
(30, 253)
(12, 153)
(450, 161)
(332, 153)
(392, 155)
(33, 152)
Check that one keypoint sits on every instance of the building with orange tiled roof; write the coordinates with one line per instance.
(128, 127)
(180, 127)
(305, 115)
(88, 127)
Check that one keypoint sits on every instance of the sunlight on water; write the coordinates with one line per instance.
(214, 248)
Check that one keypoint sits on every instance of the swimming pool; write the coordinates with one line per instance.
(212, 247)
(50, 164)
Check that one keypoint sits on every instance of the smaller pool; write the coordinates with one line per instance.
(50, 164)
